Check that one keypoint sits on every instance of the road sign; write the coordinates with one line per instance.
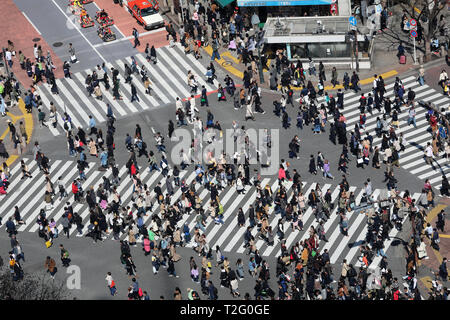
(413, 33)
(413, 22)
(352, 20)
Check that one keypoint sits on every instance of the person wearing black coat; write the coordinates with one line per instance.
(332, 133)
(241, 218)
(312, 165)
(445, 186)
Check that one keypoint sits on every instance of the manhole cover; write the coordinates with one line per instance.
(36, 39)
(57, 44)
(226, 63)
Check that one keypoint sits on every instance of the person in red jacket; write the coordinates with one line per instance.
(75, 190)
(133, 169)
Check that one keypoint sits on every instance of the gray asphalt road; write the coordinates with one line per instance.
(64, 27)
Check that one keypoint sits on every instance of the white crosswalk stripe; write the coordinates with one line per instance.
(229, 236)
(168, 77)
(412, 158)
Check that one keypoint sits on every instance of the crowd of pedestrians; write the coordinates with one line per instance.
(303, 270)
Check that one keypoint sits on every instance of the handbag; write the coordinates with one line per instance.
(48, 244)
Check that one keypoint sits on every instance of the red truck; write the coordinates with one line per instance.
(146, 13)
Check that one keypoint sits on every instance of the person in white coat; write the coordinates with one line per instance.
(249, 111)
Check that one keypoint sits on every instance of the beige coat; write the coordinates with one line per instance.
(92, 148)
(173, 253)
(177, 236)
(131, 237)
(98, 92)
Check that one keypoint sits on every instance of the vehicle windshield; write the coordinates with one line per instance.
(148, 11)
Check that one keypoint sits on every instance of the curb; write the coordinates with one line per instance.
(224, 64)
(29, 125)
(228, 67)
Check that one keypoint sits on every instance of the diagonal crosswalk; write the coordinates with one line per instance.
(412, 158)
(168, 80)
(28, 195)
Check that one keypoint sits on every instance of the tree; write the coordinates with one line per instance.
(33, 286)
(428, 17)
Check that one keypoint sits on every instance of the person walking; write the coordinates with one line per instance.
(136, 38)
(171, 269)
(111, 284)
(134, 96)
(326, 170)
(64, 256)
(50, 265)
(443, 273)
(25, 170)
(215, 48)
(73, 57)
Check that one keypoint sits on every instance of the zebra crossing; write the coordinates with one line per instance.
(168, 79)
(28, 195)
(412, 158)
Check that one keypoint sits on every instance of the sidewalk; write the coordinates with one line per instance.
(15, 115)
(385, 61)
(430, 265)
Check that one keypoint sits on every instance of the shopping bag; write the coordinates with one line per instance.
(48, 243)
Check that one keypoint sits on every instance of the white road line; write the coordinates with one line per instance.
(308, 212)
(274, 223)
(177, 56)
(90, 102)
(351, 230)
(152, 76)
(108, 96)
(79, 31)
(141, 87)
(79, 206)
(175, 68)
(57, 202)
(237, 236)
(60, 212)
(39, 197)
(330, 222)
(19, 192)
(286, 225)
(164, 191)
(31, 22)
(78, 108)
(127, 38)
(46, 103)
(175, 80)
(353, 250)
(197, 63)
(376, 261)
(231, 210)
(61, 104)
(119, 65)
(314, 223)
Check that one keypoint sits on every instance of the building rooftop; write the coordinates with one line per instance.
(307, 29)
(294, 26)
